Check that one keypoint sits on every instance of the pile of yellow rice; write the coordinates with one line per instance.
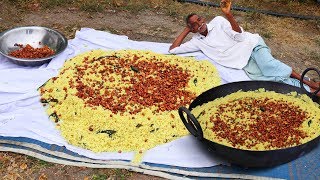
(136, 128)
(229, 111)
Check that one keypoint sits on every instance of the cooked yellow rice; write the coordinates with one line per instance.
(99, 129)
(310, 125)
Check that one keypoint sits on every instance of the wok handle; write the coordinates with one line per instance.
(191, 123)
(302, 77)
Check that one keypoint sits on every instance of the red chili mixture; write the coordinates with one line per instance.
(29, 52)
(153, 84)
(272, 122)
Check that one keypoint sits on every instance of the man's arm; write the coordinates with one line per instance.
(177, 42)
(226, 9)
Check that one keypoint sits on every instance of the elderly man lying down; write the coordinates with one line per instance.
(224, 41)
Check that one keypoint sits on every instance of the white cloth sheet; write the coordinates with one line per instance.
(22, 115)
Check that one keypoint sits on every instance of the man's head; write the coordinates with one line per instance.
(196, 23)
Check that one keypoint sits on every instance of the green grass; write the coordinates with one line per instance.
(315, 55)
(121, 174)
(3, 28)
(43, 163)
(251, 16)
(139, 4)
(169, 7)
(31, 158)
(52, 3)
(267, 34)
(92, 6)
(99, 177)
(135, 6)
(39, 163)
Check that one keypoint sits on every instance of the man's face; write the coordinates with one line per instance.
(197, 24)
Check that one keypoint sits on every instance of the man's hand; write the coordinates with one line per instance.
(226, 9)
(225, 6)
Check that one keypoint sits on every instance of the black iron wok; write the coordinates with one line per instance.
(248, 158)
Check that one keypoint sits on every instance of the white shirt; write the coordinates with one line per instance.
(222, 44)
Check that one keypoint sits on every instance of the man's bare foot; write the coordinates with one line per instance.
(312, 84)
(313, 90)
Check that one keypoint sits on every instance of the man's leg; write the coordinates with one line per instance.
(272, 67)
(269, 66)
(311, 84)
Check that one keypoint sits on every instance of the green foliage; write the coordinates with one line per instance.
(99, 177)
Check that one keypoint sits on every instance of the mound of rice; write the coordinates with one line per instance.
(260, 120)
(121, 101)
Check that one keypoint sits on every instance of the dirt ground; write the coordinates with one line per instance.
(293, 41)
